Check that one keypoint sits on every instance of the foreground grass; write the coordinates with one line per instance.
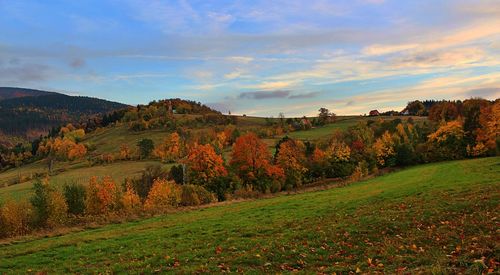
(433, 218)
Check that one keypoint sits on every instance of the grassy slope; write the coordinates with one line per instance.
(406, 220)
(80, 173)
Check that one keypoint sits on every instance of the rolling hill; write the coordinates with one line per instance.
(30, 113)
(435, 218)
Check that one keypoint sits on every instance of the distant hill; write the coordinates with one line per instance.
(12, 92)
(30, 113)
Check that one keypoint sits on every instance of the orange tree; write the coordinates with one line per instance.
(204, 164)
(251, 160)
(489, 132)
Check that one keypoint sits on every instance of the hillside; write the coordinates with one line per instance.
(12, 92)
(30, 113)
(436, 218)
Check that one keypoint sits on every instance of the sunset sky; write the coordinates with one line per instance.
(256, 57)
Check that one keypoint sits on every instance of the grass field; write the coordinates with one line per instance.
(432, 218)
(76, 173)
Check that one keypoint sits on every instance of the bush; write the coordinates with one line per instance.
(177, 174)
(195, 195)
(102, 196)
(58, 209)
(131, 201)
(143, 185)
(340, 169)
(15, 218)
(75, 198)
(49, 206)
(189, 196)
(163, 195)
(40, 203)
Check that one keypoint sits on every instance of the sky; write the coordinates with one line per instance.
(255, 57)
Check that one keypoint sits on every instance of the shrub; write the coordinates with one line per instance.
(189, 196)
(58, 209)
(15, 218)
(195, 195)
(177, 174)
(131, 201)
(40, 203)
(143, 185)
(49, 205)
(102, 196)
(164, 194)
(75, 198)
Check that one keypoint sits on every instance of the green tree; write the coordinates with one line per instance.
(146, 146)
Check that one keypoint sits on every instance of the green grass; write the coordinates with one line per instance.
(431, 218)
(78, 172)
(342, 123)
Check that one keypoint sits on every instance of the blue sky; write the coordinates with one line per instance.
(256, 57)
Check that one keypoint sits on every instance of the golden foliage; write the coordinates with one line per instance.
(384, 148)
(130, 200)
(292, 156)
(15, 218)
(57, 208)
(164, 194)
(449, 129)
(338, 151)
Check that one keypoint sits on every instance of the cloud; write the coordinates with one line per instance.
(77, 63)
(264, 94)
(303, 96)
(272, 85)
(21, 73)
(493, 92)
(378, 49)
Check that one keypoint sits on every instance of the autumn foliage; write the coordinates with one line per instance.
(163, 195)
(204, 164)
(102, 196)
(252, 161)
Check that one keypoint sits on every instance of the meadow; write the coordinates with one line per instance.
(433, 218)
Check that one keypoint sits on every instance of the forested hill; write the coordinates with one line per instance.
(12, 92)
(29, 113)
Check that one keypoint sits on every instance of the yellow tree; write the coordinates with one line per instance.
(384, 150)
(292, 158)
(163, 195)
(448, 141)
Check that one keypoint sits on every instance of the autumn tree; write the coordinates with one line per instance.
(443, 111)
(291, 157)
(416, 108)
(489, 132)
(170, 149)
(252, 161)
(125, 152)
(163, 195)
(471, 113)
(448, 141)
(103, 196)
(130, 200)
(204, 164)
(384, 150)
